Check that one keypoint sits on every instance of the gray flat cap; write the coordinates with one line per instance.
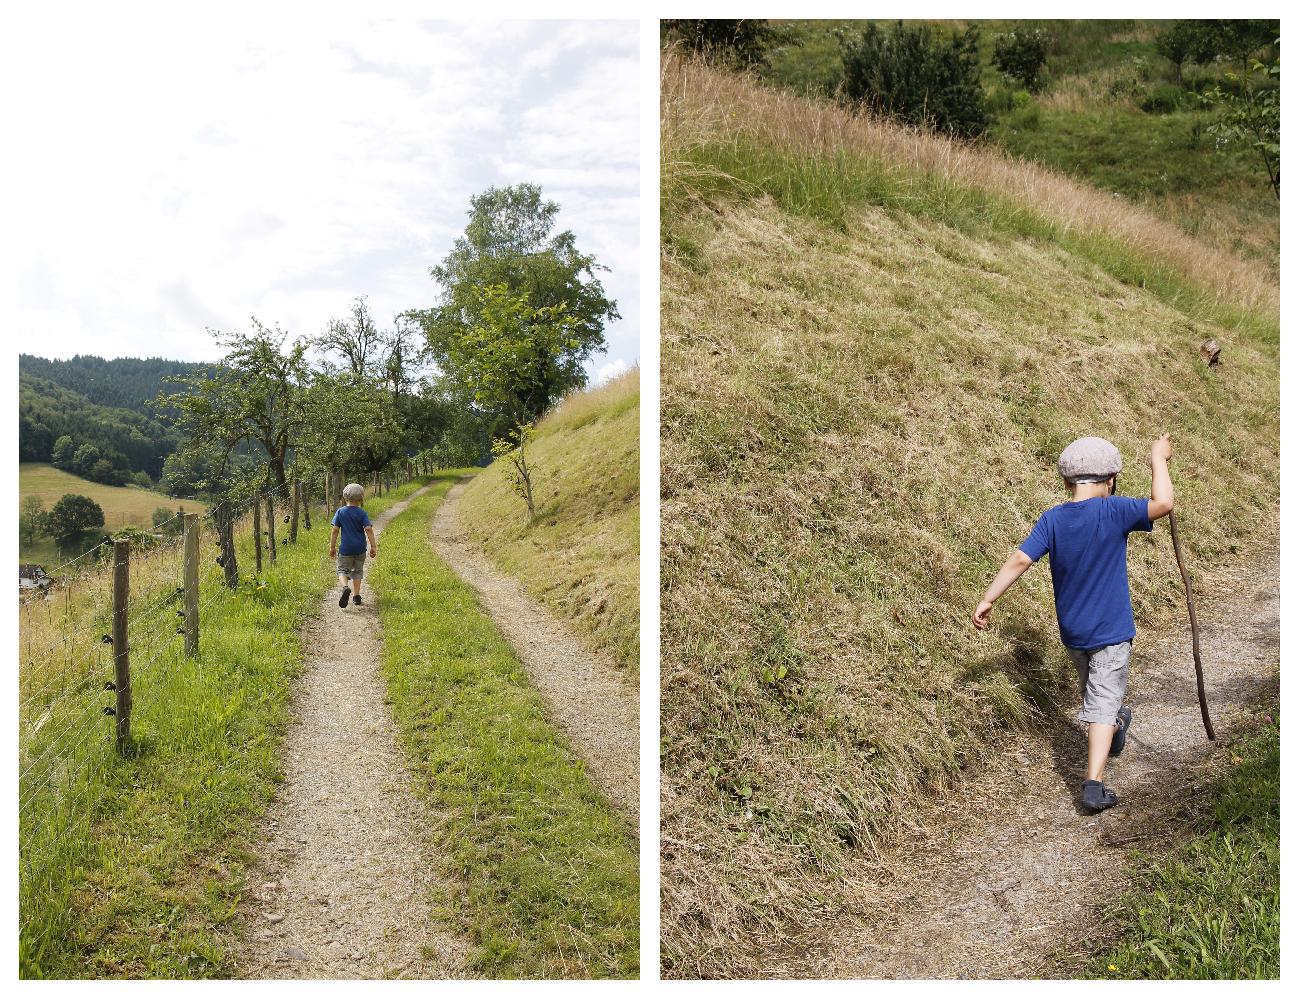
(1089, 460)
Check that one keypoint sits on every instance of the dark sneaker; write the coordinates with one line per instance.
(356, 598)
(1122, 722)
(343, 597)
(1097, 796)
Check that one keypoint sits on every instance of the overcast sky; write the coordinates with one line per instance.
(181, 176)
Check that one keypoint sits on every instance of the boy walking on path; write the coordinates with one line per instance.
(1087, 541)
(348, 538)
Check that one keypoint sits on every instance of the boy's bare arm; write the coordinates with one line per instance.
(374, 546)
(1162, 487)
(1010, 572)
(334, 541)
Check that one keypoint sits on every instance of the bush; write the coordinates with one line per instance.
(1021, 55)
(1025, 119)
(915, 74)
(1162, 100)
(740, 43)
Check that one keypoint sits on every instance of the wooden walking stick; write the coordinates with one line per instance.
(1196, 631)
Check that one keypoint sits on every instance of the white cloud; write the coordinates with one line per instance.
(610, 370)
(182, 174)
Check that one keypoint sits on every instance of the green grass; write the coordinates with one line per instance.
(546, 872)
(1213, 909)
(579, 555)
(124, 506)
(148, 862)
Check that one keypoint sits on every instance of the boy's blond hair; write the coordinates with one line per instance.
(354, 491)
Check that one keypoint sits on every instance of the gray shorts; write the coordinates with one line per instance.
(1103, 679)
(353, 567)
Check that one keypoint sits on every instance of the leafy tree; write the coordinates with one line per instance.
(83, 461)
(167, 521)
(917, 75)
(351, 423)
(31, 520)
(64, 449)
(741, 43)
(1178, 43)
(1251, 118)
(514, 451)
(1236, 40)
(255, 397)
(72, 518)
(510, 241)
(1021, 55)
(508, 360)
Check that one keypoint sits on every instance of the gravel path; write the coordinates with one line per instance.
(1006, 878)
(343, 890)
(585, 695)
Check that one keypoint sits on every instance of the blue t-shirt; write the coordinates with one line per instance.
(1088, 542)
(351, 522)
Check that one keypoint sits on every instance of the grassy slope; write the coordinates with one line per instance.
(579, 554)
(1087, 120)
(123, 505)
(546, 871)
(868, 375)
(147, 890)
(1212, 910)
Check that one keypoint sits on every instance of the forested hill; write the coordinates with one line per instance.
(102, 408)
(128, 383)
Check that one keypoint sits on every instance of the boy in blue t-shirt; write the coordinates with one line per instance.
(1087, 539)
(353, 524)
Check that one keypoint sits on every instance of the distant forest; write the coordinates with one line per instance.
(94, 417)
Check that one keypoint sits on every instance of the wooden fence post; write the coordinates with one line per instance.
(270, 523)
(293, 518)
(121, 648)
(191, 584)
(329, 481)
(257, 533)
(304, 490)
(226, 538)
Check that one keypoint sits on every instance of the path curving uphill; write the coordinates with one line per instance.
(1007, 877)
(343, 889)
(584, 694)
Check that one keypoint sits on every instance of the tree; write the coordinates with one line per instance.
(915, 74)
(510, 242)
(1178, 43)
(64, 449)
(83, 461)
(507, 361)
(351, 423)
(72, 518)
(1021, 55)
(741, 43)
(1251, 118)
(356, 339)
(255, 396)
(31, 520)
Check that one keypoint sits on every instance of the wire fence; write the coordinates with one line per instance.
(138, 605)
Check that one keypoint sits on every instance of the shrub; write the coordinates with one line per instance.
(1021, 55)
(917, 75)
(740, 43)
(1162, 100)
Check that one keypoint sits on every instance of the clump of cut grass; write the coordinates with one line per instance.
(579, 555)
(860, 420)
(1212, 910)
(726, 136)
(131, 867)
(546, 870)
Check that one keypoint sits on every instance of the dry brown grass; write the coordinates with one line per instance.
(702, 105)
(858, 424)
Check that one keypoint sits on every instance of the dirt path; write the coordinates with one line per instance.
(343, 888)
(1005, 878)
(585, 695)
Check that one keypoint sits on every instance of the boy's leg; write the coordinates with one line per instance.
(356, 585)
(1104, 676)
(1099, 737)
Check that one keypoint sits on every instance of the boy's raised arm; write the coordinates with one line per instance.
(1162, 487)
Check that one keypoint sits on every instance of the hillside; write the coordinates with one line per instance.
(1109, 111)
(580, 554)
(106, 404)
(124, 506)
(875, 344)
